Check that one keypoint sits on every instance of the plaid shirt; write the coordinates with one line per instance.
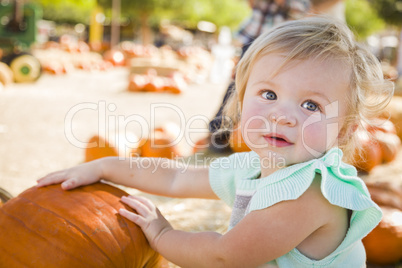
(266, 14)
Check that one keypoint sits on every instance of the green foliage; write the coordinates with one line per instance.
(66, 11)
(185, 12)
(362, 18)
(389, 10)
(222, 13)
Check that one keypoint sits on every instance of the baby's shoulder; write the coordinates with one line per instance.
(333, 223)
(313, 196)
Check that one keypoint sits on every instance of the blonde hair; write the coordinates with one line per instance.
(319, 38)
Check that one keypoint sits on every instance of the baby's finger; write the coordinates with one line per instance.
(136, 204)
(71, 183)
(137, 219)
(148, 203)
(52, 178)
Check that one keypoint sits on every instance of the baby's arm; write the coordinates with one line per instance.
(262, 236)
(153, 175)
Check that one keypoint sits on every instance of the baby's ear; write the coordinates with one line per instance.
(353, 128)
(347, 132)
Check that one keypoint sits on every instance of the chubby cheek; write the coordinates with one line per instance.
(317, 138)
(253, 123)
(253, 115)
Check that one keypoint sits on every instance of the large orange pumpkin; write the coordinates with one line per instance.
(50, 227)
(384, 244)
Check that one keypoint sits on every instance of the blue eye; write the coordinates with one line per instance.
(269, 95)
(311, 106)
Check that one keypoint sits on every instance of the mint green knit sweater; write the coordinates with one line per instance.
(234, 180)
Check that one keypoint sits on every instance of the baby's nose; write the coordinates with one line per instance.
(282, 119)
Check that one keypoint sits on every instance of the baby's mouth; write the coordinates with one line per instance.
(277, 140)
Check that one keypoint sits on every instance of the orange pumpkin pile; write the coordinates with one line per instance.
(68, 54)
(50, 227)
(151, 82)
(380, 144)
(193, 63)
(115, 57)
(56, 67)
(160, 143)
(384, 244)
(133, 50)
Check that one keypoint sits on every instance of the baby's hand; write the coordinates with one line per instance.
(149, 218)
(71, 178)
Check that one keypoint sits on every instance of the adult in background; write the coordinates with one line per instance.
(265, 15)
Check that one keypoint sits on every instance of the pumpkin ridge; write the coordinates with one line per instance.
(13, 216)
(116, 192)
(14, 259)
(151, 263)
(4, 249)
(119, 192)
(105, 191)
(71, 224)
(77, 199)
(112, 205)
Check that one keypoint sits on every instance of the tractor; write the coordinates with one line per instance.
(18, 31)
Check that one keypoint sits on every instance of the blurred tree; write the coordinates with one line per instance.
(140, 11)
(362, 18)
(148, 13)
(67, 11)
(391, 12)
(221, 13)
(188, 13)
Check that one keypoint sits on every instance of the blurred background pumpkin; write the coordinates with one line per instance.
(236, 141)
(162, 142)
(379, 144)
(384, 244)
(123, 145)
